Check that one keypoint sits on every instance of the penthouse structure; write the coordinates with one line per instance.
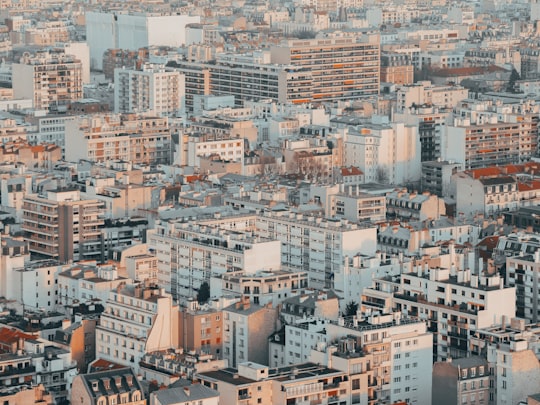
(148, 90)
(316, 245)
(51, 80)
(132, 138)
(188, 255)
(137, 320)
(61, 226)
(280, 385)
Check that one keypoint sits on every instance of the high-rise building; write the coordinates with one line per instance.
(131, 31)
(341, 68)
(149, 90)
(51, 79)
(61, 226)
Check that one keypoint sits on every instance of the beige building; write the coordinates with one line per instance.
(118, 386)
(62, 226)
(201, 330)
(246, 328)
(128, 137)
(255, 383)
(51, 80)
(138, 319)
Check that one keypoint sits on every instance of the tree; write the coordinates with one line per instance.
(204, 293)
(351, 309)
(514, 77)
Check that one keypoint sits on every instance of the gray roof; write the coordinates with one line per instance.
(194, 392)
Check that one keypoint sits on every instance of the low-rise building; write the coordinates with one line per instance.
(118, 386)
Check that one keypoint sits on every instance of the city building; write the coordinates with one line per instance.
(126, 137)
(51, 80)
(189, 255)
(189, 394)
(138, 319)
(151, 89)
(246, 328)
(118, 386)
(114, 30)
(59, 225)
(316, 245)
(461, 381)
(278, 386)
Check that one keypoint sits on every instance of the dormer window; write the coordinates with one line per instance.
(95, 385)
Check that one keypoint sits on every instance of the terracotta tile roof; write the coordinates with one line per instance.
(351, 171)
(529, 185)
(9, 336)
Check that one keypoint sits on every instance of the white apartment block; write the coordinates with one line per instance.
(189, 255)
(34, 285)
(137, 320)
(316, 245)
(194, 146)
(50, 129)
(149, 90)
(86, 283)
(454, 302)
(387, 152)
(387, 356)
(128, 137)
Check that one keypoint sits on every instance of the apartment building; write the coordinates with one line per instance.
(454, 302)
(485, 191)
(489, 133)
(426, 93)
(386, 152)
(316, 245)
(137, 319)
(51, 80)
(61, 226)
(201, 329)
(49, 129)
(386, 356)
(14, 254)
(189, 255)
(127, 137)
(246, 328)
(431, 121)
(414, 206)
(252, 381)
(341, 68)
(86, 283)
(119, 386)
(437, 175)
(151, 89)
(522, 272)
(511, 350)
(194, 146)
(461, 381)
